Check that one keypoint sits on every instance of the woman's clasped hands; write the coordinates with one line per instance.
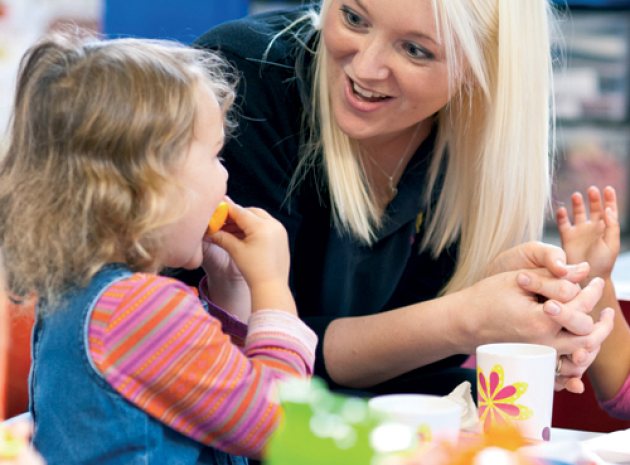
(530, 295)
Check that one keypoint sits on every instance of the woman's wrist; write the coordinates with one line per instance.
(462, 320)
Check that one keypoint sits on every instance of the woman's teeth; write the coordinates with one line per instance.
(366, 94)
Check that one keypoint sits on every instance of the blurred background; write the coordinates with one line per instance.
(592, 76)
(592, 73)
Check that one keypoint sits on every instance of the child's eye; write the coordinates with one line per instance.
(352, 18)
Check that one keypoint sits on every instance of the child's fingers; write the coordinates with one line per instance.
(611, 232)
(259, 212)
(610, 199)
(610, 218)
(244, 218)
(595, 203)
(239, 213)
(562, 219)
(229, 242)
(579, 210)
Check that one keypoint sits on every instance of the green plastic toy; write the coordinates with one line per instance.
(324, 428)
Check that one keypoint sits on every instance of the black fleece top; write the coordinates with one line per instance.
(332, 273)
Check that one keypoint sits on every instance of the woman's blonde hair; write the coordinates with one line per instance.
(493, 137)
(98, 128)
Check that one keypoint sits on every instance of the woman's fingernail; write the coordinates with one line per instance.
(560, 263)
(523, 279)
(579, 268)
(552, 308)
(597, 281)
(582, 266)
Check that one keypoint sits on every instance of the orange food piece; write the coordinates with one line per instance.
(218, 217)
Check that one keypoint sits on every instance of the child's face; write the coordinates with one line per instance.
(204, 176)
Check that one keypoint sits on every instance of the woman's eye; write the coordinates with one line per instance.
(352, 18)
(417, 52)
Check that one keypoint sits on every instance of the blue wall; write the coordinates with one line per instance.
(182, 20)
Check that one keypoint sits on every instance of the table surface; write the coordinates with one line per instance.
(563, 434)
(557, 434)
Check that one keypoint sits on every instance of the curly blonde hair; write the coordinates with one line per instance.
(97, 129)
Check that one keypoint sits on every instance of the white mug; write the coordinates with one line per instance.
(515, 384)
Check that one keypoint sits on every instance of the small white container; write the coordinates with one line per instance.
(432, 417)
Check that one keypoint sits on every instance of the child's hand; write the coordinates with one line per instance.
(226, 285)
(258, 246)
(595, 239)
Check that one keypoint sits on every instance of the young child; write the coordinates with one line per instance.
(112, 174)
(596, 239)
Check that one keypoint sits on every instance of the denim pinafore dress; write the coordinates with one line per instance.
(79, 418)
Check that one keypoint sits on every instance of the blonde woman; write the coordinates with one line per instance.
(405, 147)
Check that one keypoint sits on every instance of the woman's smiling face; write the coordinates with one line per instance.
(386, 67)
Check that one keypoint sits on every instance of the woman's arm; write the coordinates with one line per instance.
(363, 351)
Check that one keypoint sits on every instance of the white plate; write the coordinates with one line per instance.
(613, 447)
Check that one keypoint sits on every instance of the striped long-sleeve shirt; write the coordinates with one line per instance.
(619, 406)
(156, 345)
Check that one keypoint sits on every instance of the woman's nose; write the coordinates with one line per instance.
(370, 61)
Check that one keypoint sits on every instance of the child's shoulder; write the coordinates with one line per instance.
(147, 286)
(151, 280)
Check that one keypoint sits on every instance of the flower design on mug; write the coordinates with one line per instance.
(497, 402)
(424, 433)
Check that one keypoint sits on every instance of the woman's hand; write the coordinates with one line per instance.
(572, 366)
(538, 255)
(580, 339)
(510, 310)
(507, 311)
